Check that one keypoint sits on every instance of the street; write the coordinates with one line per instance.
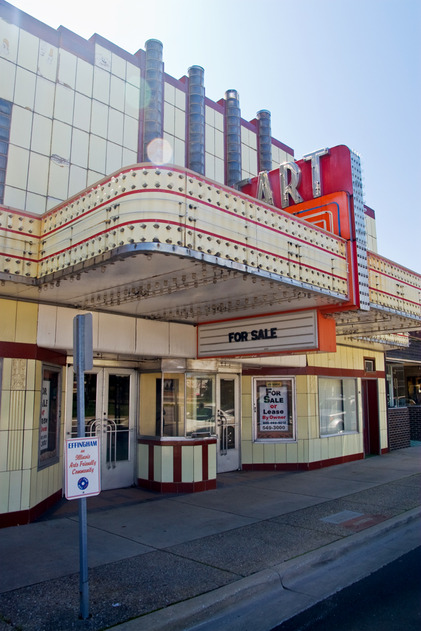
(387, 599)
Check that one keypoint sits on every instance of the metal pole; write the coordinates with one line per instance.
(83, 529)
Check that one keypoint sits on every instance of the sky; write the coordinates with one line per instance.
(331, 72)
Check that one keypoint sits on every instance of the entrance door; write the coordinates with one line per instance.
(109, 413)
(227, 423)
(371, 427)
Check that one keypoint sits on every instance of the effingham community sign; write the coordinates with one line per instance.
(82, 467)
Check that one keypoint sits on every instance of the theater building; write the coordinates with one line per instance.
(241, 312)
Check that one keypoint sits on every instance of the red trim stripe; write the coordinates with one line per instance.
(19, 350)
(151, 462)
(177, 463)
(205, 462)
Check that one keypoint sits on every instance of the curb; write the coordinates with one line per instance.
(291, 571)
(303, 581)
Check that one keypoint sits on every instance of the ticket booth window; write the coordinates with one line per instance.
(185, 405)
(200, 405)
(49, 423)
(274, 409)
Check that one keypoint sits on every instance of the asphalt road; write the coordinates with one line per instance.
(387, 599)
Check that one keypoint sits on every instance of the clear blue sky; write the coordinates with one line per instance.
(330, 71)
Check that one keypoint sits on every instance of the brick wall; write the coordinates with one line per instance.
(399, 428)
(415, 422)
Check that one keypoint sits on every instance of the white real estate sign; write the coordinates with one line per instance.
(270, 335)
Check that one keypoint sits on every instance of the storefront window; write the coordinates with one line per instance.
(402, 387)
(414, 390)
(200, 405)
(49, 424)
(337, 406)
(274, 409)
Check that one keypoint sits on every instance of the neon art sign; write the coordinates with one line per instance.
(324, 188)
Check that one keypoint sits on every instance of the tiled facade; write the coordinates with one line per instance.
(77, 115)
(92, 220)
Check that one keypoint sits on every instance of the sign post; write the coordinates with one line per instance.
(83, 360)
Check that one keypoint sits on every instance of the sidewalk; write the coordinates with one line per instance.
(180, 561)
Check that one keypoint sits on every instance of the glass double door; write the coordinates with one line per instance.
(227, 423)
(109, 414)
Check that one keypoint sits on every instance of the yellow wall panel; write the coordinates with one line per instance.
(26, 490)
(258, 452)
(26, 323)
(15, 491)
(302, 404)
(31, 369)
(35, 487)
(197, 463)
(27, 449)
(143, 461)
(167, 464)
(212, 461)
(157, 463)
(303, 428)
(269, 453)
(187, 464)
(292, 452)
(281, 452)
(314, 454)
(303, 451)
(5, 410)
(246, 452)
(3, 450)
(7, 373)
(335, 447)
(4, 491)
(35, 447)
(314, 429)
(8, 310)
(17, 409)
(324, 449)
(15, 450)
(31, 413)
(246, 385)
(40, 485)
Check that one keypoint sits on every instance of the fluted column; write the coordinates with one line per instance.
(232, 137)
(154, 94)
(196, 120)
(264, 141)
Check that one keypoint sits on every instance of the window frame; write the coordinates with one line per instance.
(274, 383)
(369, 364)
(51, 454)
(339, 412)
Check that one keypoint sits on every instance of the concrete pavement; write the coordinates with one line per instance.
(260, 548)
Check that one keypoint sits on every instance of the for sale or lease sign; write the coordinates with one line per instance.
(273, 409)
(82, 467)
